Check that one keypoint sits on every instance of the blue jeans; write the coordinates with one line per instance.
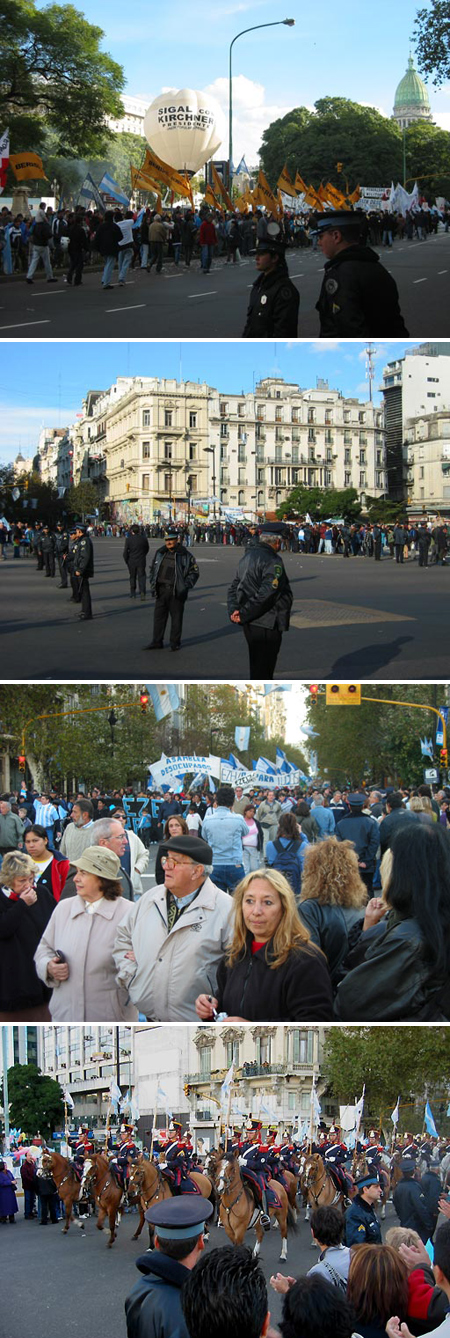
(176, 252)
(108, 270)
(125, 258)
(30, 1199)
(207, 255)
(227, 876)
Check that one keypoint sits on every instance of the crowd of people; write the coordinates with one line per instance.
(279, 906)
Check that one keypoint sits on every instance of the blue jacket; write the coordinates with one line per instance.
(361, 1224)
(153, 1308)
(325, 821)
(224, 831)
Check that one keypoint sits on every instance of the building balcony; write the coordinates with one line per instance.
(251, 1069)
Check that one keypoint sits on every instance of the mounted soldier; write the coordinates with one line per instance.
(176, 1165)
(256, 1169)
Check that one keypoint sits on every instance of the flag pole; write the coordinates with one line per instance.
(155, 1112)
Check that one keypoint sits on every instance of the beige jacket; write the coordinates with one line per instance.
(171, 969)
(138, 860)
(75, 839)
(91, 993)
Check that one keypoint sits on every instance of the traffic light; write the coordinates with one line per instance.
(444, 757)
(314, 690)
(21, 761)
(186, 1089)
(343, 694)
(143, 698)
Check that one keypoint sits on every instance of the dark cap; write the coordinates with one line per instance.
(274, 527)
(342, 218)
(80, 528)
(171, 532)
(180, 1218)
(273, 241)
(356, 800)
(362, 1181)
(197, 849)
(408, 1165)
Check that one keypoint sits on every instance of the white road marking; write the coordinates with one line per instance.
(56, 292)
(22, 324)
(442, 271)
(135, 308)
(210, 293)
(420, 280)
(297, 276)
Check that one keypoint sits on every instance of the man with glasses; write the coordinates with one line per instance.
(173, 573)
(171, 946)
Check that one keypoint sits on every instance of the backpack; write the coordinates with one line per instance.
(41, 233)
(286, 862)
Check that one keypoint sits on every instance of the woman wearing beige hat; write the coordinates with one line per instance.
(74, 956)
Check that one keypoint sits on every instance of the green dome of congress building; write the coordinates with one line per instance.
(411, 99)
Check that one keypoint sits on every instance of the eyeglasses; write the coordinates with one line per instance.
(177, 863)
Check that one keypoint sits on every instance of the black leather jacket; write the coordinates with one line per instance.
(261, 590)
(392, 980)
(186, 570)
(273, 306)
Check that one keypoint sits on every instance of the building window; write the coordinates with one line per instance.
(146, 418)
(205, 1061)
(311, 415)
(167, 450)
(223, 452)
(278, 476)
(347, 480)
(241, 498)
(302, 1047)
(295, 455)
(145, 450)
(263, 1049)
(260, 496)
(292, 1101)
(192, 451)
(278, 454)
(311, 434)
(168, 416)
(241, 410)
(362, 458)
(361, 418)
(223, 430)
(295, 415)
(168, 483)
(278, 415)
(242, 476)
(223, 409)
(347, 416)
(192, 418)
(145, 482)
(232, 1049)
(362, 479)
(241, 455)
(193, 478)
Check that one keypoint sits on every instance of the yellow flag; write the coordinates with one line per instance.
(300, 184)
(335, 196)
(280, 203)
(241, 204)
(355, 196)
(27, 166)
(220, 188)
(285, 184)
(158, 205)
(265, 195)
(161, 171)
(140, 181)
(210, 198)
(189, 190)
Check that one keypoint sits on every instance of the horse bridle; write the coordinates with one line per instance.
(315, 1196)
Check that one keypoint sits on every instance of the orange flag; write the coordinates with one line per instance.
(220, 188)
(285, 184)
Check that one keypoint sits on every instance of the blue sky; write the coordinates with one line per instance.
(42, 385)
(356, 51)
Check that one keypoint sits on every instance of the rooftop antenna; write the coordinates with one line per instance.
(181, 368)
(370, 368)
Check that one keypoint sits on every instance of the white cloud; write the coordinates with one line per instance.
(442, 119)
(251, 114)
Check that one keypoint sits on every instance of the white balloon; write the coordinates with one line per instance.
(184, 127)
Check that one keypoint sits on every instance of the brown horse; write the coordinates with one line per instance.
(319, 1186)
(238, 1211)
(147, 1185)
(107, 1191)
(67, 1184)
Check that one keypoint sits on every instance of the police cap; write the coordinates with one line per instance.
(194, 846)
(180, 1218)
(356, 800)
(274, 527)
(342, 218)
(171, 532)
(362, 1181)
(408, 1166)
(273, 241)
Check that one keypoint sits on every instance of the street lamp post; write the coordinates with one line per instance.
(211, 450)
(289, 23)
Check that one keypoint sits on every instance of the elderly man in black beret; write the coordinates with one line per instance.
(260, 599)
(176, 935)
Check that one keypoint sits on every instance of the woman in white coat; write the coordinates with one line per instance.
(74, 956)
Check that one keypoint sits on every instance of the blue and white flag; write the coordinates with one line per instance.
(110, 187)
(429, 1121)
(165, 699)
(115, 1095)
(68, 1098)
(226, 1085)
(263, 764)
(439, 731)
(242, 737)
(134, 1109)
(242, 167)
(276, 687)
(281, 760)
(88, 192)
(233, 761)
(426, 746)
(396, 1112)
(309, 731)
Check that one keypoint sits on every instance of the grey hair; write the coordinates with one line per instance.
(318, 800)
(101, 830)
(7, 804)
(17, 865)
(207, 869)
(269, 539)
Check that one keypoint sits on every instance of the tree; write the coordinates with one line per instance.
(391, 1061)
(432, 30)
(320, 503)
(374, 743)
(428, 158)
(36, 1102)
(82, 499)
(53, 74)
(367, 144)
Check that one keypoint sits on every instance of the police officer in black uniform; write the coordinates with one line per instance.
(361, 1222)
(134, 554)
(411, 1206)
(62, 549)
(260, 599)
(83, 567)
(358, 296)
(173, 573)
(48, 550)
(274, 299)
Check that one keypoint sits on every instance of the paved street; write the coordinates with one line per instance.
(76, 1285)
(184, 303)
(355, 618)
